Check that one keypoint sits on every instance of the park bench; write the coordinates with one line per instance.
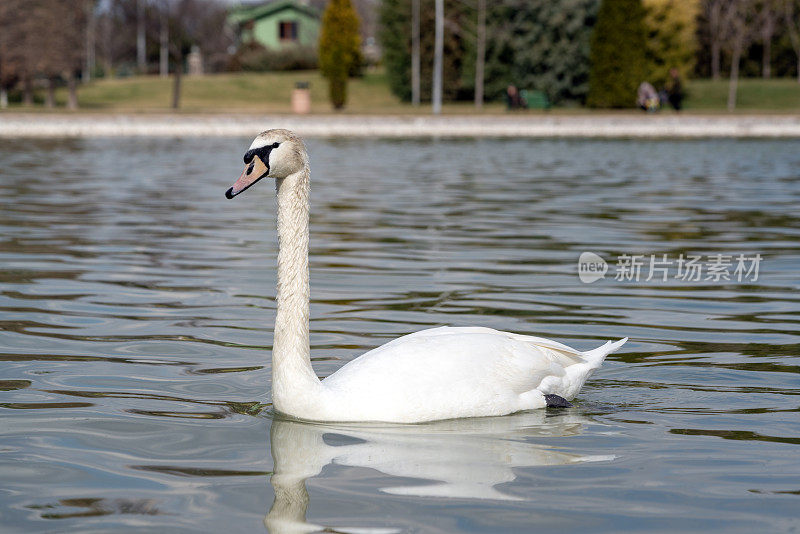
(535, 99)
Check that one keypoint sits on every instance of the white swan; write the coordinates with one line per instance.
(440, 373)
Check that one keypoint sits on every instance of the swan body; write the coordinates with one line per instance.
(439, 373)
(447, 373)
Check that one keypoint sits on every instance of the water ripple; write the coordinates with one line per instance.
(136, 318)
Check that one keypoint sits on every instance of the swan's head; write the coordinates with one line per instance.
(273, 154)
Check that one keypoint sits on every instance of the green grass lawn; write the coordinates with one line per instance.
(243, 92)
(257, 92)
(271, 93)
(754, 94)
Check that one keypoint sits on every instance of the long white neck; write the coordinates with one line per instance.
(294, 384)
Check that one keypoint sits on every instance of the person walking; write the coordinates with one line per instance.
(674, 88)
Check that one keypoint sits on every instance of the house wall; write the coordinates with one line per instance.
(266, 30)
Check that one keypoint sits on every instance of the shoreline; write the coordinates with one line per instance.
(606, 126)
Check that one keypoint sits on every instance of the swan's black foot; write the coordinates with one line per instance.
(554, 401)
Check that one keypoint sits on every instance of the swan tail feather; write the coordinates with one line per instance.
(596, 356)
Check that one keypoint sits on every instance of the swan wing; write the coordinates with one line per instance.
(449, 372)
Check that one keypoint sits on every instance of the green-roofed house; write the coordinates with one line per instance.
(277, 24)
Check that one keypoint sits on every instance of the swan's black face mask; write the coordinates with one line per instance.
(256, 162)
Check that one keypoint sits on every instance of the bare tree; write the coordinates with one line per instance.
(737, 24)
(4, 64)
(11, 61)
(141, 43)
(481, 53)
(103, 43)
(55, 41)
(415, 52)
(21, 51)
(91, 38)
(117, 29)
(163, 39)
(176, 46)
(767, 21)
(713, 11)
(69, 38)
(195, 22)
(792, 19)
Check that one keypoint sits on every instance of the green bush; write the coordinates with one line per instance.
(252, 57)
(339, 48)
(618, 54)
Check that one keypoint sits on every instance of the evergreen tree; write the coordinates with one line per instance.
(561, 67)
(671, 37)
(539, 45)
(339, 48)
(618, 48)
(533, 44)
(395, 36)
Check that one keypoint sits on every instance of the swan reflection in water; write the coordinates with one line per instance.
(460, 458)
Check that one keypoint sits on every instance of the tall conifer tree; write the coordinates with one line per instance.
(339, 48)
(618, 54)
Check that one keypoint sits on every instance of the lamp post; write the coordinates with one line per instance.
(437, 58)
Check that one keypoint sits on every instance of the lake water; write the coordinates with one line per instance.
(136, 308)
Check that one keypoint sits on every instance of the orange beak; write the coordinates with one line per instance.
(252, 173)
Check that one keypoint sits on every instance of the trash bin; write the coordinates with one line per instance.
(301, 98)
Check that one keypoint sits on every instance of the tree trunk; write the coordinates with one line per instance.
(714, 15)
(767, 31)
(27, 91)
(163, 63)
(90, 41)
(337, 89)
(3, 92)
(176, 87)
(72, 85)
(106, 45)
(734, 79)
(479, 61)
(415, 52)
(715, 53)
(50, 97)
(437, 58)
(141, 59)
(794, 34)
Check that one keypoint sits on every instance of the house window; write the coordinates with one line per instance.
(287, 30)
